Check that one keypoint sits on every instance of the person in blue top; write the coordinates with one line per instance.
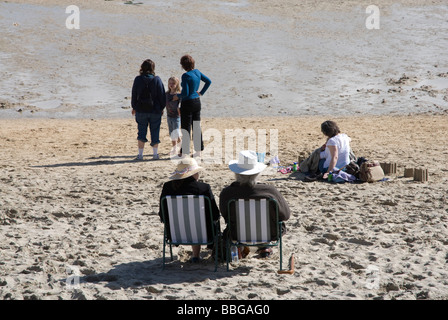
(190, 111)
(145, 116)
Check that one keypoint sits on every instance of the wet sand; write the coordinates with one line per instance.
(265, 59)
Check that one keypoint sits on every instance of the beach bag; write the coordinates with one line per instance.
(371, 171)
(144, 101)
(353, 169)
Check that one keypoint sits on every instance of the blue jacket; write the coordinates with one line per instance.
(157, 92)
(190, 84)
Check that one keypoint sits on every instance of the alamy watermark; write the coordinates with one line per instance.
(372, 277)
(73, 20)
(222, 148)
(73, 274)
(373, 20)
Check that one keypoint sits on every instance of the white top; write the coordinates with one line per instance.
(342, 143)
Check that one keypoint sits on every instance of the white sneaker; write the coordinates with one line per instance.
(138, 158)
(180, 156)
(155, 157)
(197, 154)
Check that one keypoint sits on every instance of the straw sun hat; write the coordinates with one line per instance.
(186, 168)
(247, 163)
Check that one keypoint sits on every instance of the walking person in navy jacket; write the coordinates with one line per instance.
(190, 111)
(148, 116)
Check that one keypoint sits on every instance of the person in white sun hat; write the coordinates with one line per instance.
(247, 164)
(247, 169)
(184, 181)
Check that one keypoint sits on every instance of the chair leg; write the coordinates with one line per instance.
(222, 249)
(216, 252)
(171, 252)
(163, 257)
(281, 252)
(227, 253)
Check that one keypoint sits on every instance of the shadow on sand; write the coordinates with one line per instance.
(149, 273)
(102, 160)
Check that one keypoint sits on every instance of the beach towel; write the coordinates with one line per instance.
(342, 177)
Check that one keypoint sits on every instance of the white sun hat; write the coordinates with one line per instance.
(247, 163)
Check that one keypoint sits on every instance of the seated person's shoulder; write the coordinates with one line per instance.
(265, 186)
(202, 185)
(268, 189)
(233, 185)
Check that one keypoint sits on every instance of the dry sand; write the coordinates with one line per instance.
(73, 200)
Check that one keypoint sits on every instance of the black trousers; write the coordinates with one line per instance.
(190, 117)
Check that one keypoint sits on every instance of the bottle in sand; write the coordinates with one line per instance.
(234, 253)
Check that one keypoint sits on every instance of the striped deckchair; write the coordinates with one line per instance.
(185, 222)
(253, 224)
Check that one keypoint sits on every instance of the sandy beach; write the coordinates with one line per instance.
(79, 217)
(73, 198)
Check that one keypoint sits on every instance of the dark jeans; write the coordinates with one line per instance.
(152, 120)
(190, 117)
(321, 166)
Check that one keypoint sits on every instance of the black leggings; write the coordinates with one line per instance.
(190, 117)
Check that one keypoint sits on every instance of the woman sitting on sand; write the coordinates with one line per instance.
(184, 181)
(336, 154)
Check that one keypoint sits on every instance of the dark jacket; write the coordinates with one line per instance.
(311, 164)
(157, 92)
(190, 186)
(260, 190)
